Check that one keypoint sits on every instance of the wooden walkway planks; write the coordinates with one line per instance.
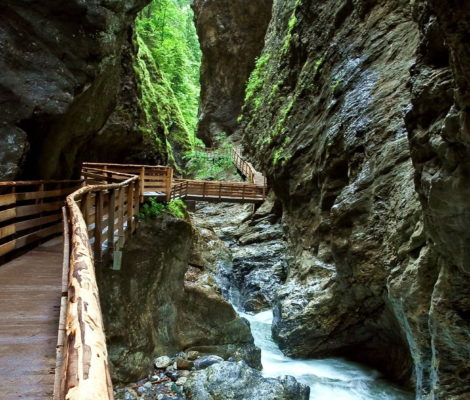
(30, 291)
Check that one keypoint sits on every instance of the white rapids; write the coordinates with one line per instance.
(329, 379)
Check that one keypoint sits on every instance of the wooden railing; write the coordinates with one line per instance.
(247, 169)
(237, 192)
(99, 218)
(31, 211)
(153, 179)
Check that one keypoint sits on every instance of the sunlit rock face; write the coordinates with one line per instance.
(358, 115)
(65, 67)
(231, 33)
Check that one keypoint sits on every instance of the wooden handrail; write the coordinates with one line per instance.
(246, 168)
(85, 371)
(29, 183)
(106, 172)
(125, 165)
(30, 211)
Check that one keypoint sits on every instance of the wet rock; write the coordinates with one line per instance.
(230, 381)
(182, 381)
(258, 266)
(207, 361)
(163, 362)
(182, 363)
(192, 355)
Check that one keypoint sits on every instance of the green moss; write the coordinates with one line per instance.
(317, 65)
(283, 118)
(290, 36)
(162, 119)
(282, 154)
(256, 81)
(337, 86)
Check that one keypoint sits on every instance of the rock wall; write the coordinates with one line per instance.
(165, 300)
(68, 88)
(357, 111)
(231, 33)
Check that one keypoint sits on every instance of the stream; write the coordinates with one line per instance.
(329, 379)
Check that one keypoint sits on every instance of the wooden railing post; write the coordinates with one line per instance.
(99, 202)
(169, 183)
(120, 218)
(130, 208)
(111, 218)
(136, 205)
(142, 184)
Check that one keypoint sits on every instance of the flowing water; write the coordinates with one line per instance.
(329, 379)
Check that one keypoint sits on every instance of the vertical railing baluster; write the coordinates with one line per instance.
(111, 218)
(99, 202)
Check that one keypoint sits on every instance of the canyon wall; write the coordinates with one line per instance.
(231, 34)
(70, 88)
(357, 111)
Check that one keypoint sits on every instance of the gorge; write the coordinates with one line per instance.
(357, 113)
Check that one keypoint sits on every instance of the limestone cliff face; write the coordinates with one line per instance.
(358, 113)
(68, 88)
(165, 300)
(231, 33)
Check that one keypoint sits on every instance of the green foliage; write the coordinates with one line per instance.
(167, 66)
(152, 209)
(177, 208)
(215, 165)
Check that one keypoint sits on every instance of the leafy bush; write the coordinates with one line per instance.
(215, 165)
(153, 209)
(177, 208)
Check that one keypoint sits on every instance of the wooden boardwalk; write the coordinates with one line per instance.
(52, 339)
(30, 291)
